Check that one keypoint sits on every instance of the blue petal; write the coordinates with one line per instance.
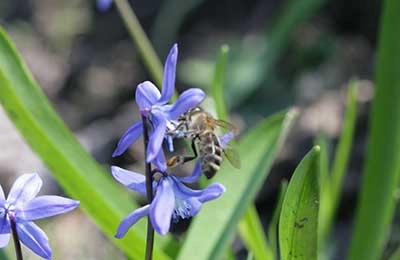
(187, 200)
(146, 95)
(212, 192)
(4, 225)
(184, 192)
(160, 162)
(224, 140)
(187, 100)
(34, 238)
(46, 206)
(195, 174)
(132, 180)
(131, 219)
(128, 138)
(103, 5)
(4, 239)
(162, 206)
(25, 188)
(157, 136)
(168, 84)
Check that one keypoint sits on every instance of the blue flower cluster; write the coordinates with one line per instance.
(173, 199)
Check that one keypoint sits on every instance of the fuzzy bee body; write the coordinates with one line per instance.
(200, 127)
(210, 153)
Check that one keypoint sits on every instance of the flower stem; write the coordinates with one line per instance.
(140, 39)
(149, 189)
(17, 244)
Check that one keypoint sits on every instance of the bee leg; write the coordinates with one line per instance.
(181, 159)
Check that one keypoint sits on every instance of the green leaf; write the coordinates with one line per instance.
(257, 150)
(252, 234)
(217, 85)
(3, 255)
(382, 166)
(273, 225)
(333, 186)
(230, 254)
(73, 168)
(325, 204)
(298, 222)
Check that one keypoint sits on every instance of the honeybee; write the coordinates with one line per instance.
(201, 128)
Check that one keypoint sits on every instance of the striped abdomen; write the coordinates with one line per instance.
(210, 153)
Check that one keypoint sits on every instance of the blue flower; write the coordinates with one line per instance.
(21, 207)
(103, 5)
(154, 105)
(173, 200)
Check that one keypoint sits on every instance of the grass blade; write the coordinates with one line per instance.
(252, 234)
(345, 143)
(299, 216)
(382, 166)
(333, 186)
(325, 204)
(273, 226)
(217, 85)
(257, 150)
(73, 168)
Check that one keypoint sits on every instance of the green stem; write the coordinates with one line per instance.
(141, 41)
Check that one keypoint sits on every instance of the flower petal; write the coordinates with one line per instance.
(146, 95)
(162, 206)
(4, 239)
(24, 188)
(160, 161)
(4, 225)
(34, 238)
(47, 206)
(103, 5)
(188, 99)
(224, 140)
(212, 192)
(132, 180)
(128, 138)
(157, 136)
(131, 219)
(195, 174)
(168, 84)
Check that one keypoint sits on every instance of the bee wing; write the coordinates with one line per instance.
(233, 156)
(224, 124)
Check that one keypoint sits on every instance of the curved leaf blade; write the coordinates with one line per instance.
(298, 236)
(218, 83)
(252, 233)
(273, 225)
